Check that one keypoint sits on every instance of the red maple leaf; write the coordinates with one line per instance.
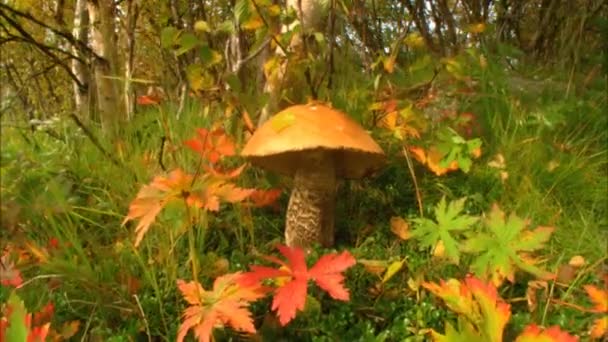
(294, 276)
(9, 275)
(147, 100)
(212, 145)
(262, 198)
(533, 333)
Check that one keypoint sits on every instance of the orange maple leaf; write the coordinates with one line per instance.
(431, 158)
(294, 275)
(226, 305)
(477, 301)
(212, 145)
(152, 198)
(598, 297)
(533, 333)
(262, 198)
(218, 191)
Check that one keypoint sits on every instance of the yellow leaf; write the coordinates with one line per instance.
(577, 261)
(274, 10)
(373, 266)
(414, 40)
(282, 120)
(389, 63)
(202, 26)
(599, 328)
(400, 228)
(476, 28)
(253, 23)
(392, 269)
(439, 250)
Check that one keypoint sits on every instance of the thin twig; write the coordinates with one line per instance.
(410, 166)
(143, 316)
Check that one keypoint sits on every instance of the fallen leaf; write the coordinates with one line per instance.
(532, 291)
(577, 261)
(400, 228)
(392, 269)
(376, 267)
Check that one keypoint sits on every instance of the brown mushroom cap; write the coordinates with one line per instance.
(278, 144)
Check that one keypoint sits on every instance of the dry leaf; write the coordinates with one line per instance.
(376, 267)
(401, 228)
(532, 292)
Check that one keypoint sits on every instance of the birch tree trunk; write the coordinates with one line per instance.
(128, 94)
(80, 69)
(104, 43)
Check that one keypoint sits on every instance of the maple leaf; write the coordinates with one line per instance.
(504, 246)
(212, 145)
(9, 275)
(293, 277)
(483, 314)
(16, 323)
(147, 100)
(599, 298)
(450, 224)
(262, 198)
(431, 158)
(599, 327)
(152, 198)
(226, 305)
(533, 333)
(218, 190)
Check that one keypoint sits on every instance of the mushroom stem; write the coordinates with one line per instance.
(310, 213)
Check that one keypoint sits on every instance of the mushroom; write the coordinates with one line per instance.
(315, 144)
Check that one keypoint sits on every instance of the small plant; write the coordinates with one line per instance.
(482, 314)
(450, 225)
(505, 245)
(227, 304)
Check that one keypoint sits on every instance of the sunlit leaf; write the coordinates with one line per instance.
(450, 224)
(152, 198)
(400, 228)
(483, 314)
(226, 305)
(502, 246)
(392, 269)
(282, 120)
(533, 333)
(291, 294)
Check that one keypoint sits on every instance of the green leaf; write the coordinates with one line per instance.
(187, 42)
(504, 246)
(17, 329)
(168, 37)
(241, 11)
(209, 56)
(449, 225)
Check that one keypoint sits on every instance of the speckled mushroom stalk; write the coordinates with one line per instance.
(310, 213)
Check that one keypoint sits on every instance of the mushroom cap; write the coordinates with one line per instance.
(281, 143)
